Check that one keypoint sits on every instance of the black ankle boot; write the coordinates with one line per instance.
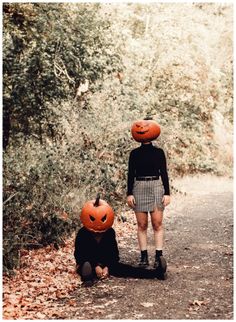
(160, 265)
(144, 259)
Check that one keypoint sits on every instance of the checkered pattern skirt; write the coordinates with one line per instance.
(148, 195)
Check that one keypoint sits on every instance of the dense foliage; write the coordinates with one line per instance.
(48, 53)
(76, 76)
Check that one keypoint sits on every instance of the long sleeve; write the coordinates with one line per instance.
(85, 248)
(131, 174)
(80, 253)
(164, 174)
(113, 256)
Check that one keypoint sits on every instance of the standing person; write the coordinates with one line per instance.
(146, 193)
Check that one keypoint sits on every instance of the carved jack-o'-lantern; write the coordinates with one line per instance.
(97, 215)
(145, 130)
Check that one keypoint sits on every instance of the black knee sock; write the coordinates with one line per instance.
(158, 253)
(144, 253)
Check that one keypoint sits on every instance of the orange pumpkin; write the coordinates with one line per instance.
(97, 215)
(145, 130)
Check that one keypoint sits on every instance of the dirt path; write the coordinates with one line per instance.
(198, 247)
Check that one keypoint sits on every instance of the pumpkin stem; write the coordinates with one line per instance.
(148, 117)
(96, 204)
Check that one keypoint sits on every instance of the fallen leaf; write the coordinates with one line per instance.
(198, 303)
(147, 304)
(40, 315)
(72, 302)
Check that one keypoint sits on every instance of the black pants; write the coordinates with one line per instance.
(125, 270)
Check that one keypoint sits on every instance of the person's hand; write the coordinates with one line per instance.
(99, 271)
(102, 272)
(105, 272)
(166, 200)
(131, 201)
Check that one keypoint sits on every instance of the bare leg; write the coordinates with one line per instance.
(160, 262)
(158, 228)
(142, 221)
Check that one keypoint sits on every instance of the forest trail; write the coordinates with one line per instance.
(198, 249)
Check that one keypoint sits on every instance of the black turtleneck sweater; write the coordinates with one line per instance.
(147, 160)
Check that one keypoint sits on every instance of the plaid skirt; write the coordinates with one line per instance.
(148, 195)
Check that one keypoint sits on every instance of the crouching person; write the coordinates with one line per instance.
(96, 251)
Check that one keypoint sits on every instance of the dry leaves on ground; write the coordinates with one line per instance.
(46, 276)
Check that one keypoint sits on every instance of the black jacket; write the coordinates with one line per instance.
(105, 252)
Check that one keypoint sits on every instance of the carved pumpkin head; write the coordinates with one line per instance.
(145, 130)
(97, 215)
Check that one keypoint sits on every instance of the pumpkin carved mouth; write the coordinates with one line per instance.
(142, 132)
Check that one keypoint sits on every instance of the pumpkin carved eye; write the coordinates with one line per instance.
(91, 218)
(104, 218)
